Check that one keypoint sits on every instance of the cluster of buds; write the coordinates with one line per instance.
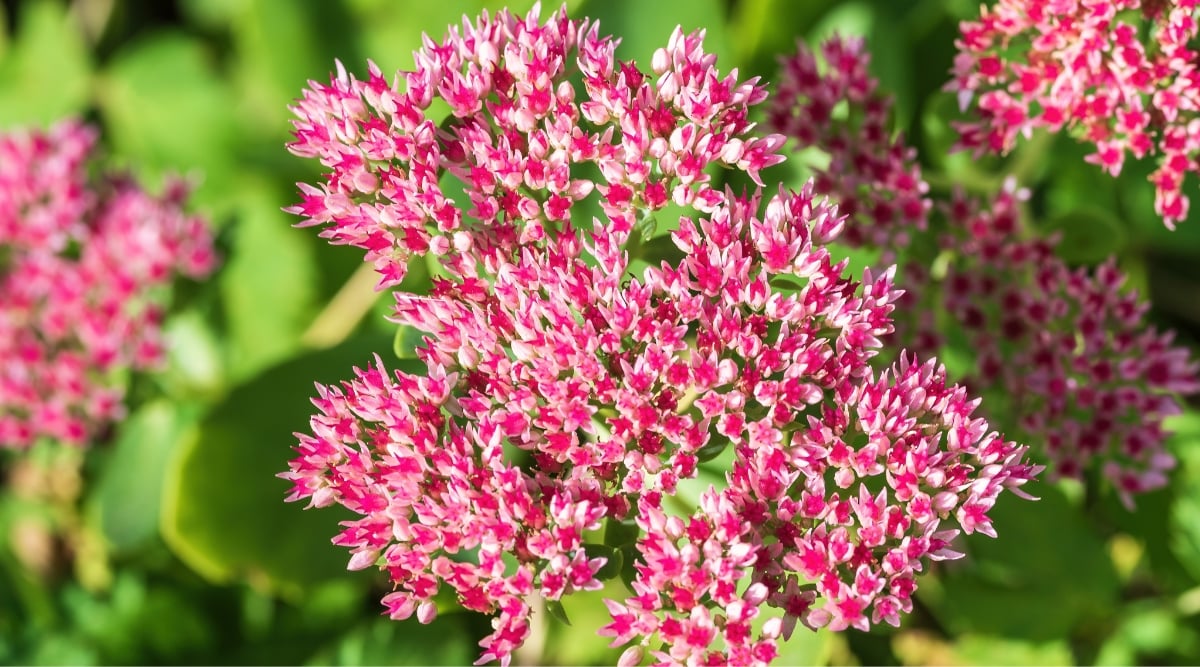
(85, 266)
(1063, 356)
(1120, 74)
(564, 394)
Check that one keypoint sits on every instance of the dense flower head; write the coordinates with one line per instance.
(800, 527)
(84, 264)
(566, 392)
(523, 143)
(1069, 349)
(1062, 356)
(1119, 74)
(873, 175)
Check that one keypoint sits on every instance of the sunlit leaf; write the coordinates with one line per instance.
(223, 511)
(46, 73)
(128, 494)
(167, 110)
(646, 26)
(268, 286)
(1046, 574)
(406, 342)
(449, 640)
(555, 609)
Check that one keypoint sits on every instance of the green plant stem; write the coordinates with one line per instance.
(347, 308)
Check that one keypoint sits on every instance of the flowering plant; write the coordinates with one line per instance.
(718, 340)
(561, 392)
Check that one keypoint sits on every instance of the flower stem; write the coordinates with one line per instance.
(347, 308)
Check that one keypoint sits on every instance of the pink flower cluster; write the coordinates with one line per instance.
(1070, 350)
(1063, 356)
(85, 265)
(564, 394)
(522, 143)
(1121, 74)
(872, 174)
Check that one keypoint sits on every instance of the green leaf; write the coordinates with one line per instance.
(268, 285)
(449, 640)
(614, 560)
(194, 364)
(223, 508)
(280, 45)
(555, 609)
(984, 650)
(578, 643)
(1045, 575)
(128, 494)
(1088, 235)
(787, 282)
(3, 32)
(167, 110)
(806, 647)
(764, 29)
(712, 450)
(391, 31)
(1182, 533)
(406, 342)
(645, 27)
(46, 73)
(213, 14)
(620, 533)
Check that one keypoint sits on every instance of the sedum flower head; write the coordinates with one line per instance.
(873, 175)
(1064, 356)
(523, 142)
(566, 390)
(84, 264)
(1119, 74)
(1070, 349)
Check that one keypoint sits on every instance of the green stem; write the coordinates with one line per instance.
(347, 308)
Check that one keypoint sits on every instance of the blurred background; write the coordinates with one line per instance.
(171, 543)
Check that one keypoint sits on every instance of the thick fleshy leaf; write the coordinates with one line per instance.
(268, 285)
(406, 342)
(281, 45)
(46, 71)
(1042, 578)
(449, 640)
(555, 609)
(223, 510)
(578, 643)
(128, 494)
(806, 647)
(1184, 527)
(1087, 236)
(167, 110)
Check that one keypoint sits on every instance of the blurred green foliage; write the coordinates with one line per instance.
(171, 543)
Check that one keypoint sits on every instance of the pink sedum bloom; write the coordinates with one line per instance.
(797, 528)
(1119, 74)
(86, 265)
(612, 393)
(523, 142)
(563, 391)
(873, 175)
(1064, 356)
(1069, 349)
